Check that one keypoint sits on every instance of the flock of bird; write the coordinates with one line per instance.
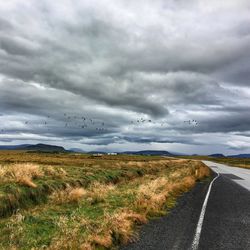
(82, 122)
(192, 122)
(75, 122)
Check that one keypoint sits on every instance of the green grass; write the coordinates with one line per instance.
(120, 193)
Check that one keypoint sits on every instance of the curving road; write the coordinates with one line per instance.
(238, 175)
(212, 216)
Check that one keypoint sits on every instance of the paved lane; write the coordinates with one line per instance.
(238, 175)
(226, 224)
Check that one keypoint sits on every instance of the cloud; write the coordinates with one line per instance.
(239, 145)
(120, 61)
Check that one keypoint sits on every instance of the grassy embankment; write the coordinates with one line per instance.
(66, 201)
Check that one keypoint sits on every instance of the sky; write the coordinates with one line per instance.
(120, 75)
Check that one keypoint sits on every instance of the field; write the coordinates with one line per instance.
(76, 201)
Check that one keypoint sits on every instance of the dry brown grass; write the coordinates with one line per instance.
(69, 238)
(21, 173)
(122, 224)
(102, 240)
(114, 228)
(94, 194)
(98, 191)
(54, 171)
(243, 166)
(118, 228)
(68, 195)
(202, 172)
(152, 196)
(26, 181)
(76, 194)
(86, 246)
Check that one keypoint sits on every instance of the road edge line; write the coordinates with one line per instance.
(196, 240)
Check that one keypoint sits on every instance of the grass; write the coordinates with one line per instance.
(21, 173)
(80, 202)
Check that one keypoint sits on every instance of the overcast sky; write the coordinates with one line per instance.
(126, 75)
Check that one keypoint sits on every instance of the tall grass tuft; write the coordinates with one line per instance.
(21, 173)
(68, 195)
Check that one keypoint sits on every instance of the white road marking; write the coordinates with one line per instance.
(196, 240)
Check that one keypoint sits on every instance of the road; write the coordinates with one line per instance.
(212, 216)
(240, 175)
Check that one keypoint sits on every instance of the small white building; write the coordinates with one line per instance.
(112, 153)
(97, 154)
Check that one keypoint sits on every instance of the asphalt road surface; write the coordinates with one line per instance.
(240, 175)
(214, 215)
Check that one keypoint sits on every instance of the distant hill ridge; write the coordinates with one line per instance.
(217, 155)
(13, 147)
(149, 152)
(240, 156)
(77, 150)
(53, 148)
(46, 147)
(36, 147)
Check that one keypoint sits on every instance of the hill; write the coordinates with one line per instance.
(97, 152)
(45, 148)
(217, 155)
(13, 147)
(38, 147)
(149, 152)
(239, 156)
(77, 150)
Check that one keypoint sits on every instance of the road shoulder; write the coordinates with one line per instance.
(175, 230)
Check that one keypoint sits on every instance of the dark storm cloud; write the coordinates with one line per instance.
(17, 46)
(226, 122)
(182, 140)
(120, 61)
